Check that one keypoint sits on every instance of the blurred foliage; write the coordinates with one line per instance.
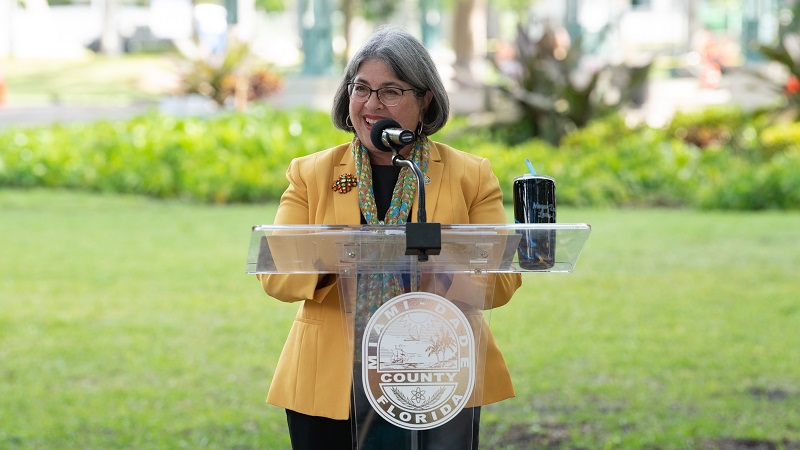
(243, 156)
(786, 53)
(230, 157)
(231, 73)
(377, 10)
(270, 5)
(713, 127)
(558, 89)
(780, 138)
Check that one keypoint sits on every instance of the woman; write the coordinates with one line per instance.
(392, 76)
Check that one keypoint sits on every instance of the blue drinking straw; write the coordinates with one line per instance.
(530, 166)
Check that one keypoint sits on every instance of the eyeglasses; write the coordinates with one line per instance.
(389, 96)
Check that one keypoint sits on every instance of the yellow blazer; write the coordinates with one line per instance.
(314, 373)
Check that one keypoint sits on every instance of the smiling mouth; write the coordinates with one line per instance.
(371, 122)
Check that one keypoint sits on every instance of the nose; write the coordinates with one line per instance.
(374, 98)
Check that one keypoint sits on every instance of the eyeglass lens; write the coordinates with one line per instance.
(389, 96)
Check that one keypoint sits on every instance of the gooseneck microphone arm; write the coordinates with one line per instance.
(422, 238)
(399, 161)
(387, 135)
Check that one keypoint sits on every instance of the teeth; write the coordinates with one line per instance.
(370, 121)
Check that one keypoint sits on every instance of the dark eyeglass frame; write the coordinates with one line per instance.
(351, 88)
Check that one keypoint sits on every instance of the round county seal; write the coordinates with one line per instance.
(419, 360)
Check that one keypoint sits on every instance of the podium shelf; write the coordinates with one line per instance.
(499, 248)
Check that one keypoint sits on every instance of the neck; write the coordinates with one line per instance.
(380, 158)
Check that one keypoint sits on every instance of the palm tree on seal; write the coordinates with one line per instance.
(440, 344)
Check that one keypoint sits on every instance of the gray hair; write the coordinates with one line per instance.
(410, 62)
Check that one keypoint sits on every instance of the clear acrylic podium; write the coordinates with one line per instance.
(419, 353)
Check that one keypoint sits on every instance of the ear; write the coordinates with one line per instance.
(426, 100)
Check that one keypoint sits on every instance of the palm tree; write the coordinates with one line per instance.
(434, 348)
(441, 342)
(448, 343)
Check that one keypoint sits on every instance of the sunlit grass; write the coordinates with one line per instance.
(677, 327)
(129, 323)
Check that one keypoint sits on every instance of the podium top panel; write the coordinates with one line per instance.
(501, 248)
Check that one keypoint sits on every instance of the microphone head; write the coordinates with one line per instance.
(376, 135)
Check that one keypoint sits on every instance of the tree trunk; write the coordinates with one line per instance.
(110, 43)
(347, 12)
(463, 34)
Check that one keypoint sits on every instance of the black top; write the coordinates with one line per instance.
(384, 178)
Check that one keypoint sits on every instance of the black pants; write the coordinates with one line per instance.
(315, 433)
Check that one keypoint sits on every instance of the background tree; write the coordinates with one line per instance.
(463, 35)
(554, 88)
(376, 11)
(786, 53)
(270, 5)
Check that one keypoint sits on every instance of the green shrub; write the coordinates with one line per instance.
(604, 164)
(242, 157)
(739, 185)
(233, 72)
(780, 138)
(623, 166)
(714, 127)
(230, 157)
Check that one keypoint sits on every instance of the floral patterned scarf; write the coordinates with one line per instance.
(374, 289)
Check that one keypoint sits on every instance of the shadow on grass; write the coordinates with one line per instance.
(525, 436)
(750, 444)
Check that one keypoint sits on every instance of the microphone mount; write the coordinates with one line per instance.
(399, 161)
(422, 238)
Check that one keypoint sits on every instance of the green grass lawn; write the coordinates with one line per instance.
(129, 323)
(93, 79)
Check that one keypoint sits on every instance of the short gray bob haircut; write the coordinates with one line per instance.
(410, 62)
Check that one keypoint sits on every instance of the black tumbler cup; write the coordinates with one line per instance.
(535, 202)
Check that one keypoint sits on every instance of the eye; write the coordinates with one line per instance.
(360, 89)
(391, 93)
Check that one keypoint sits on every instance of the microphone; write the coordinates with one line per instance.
(387, 135)
(422, 238)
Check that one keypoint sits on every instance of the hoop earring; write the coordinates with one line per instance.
(419, 128)
(348, 121)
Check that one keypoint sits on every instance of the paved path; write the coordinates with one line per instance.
(51, 114)
(314, 93)
(665, 97)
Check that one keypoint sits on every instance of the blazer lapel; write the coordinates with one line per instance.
(346, 205)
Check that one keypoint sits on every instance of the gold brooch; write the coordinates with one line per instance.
(345, 183)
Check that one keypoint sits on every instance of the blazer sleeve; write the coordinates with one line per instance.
(486, 208)
(294, 210)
